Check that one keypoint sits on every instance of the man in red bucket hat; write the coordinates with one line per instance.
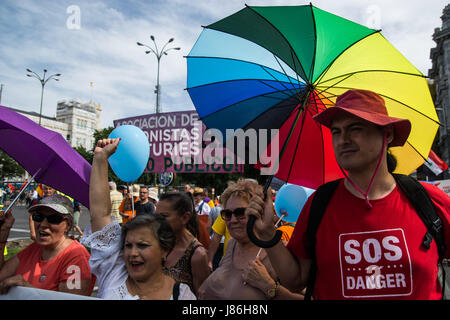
(362, 237)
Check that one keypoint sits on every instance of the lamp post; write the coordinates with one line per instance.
(43, 82)
(1, 90)
(158, 54)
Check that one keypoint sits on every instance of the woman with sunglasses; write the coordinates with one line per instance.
(127, 261)
(226, 282)
(54, 261)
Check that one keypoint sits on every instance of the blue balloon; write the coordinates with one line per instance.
(131, 157)
(290, 200)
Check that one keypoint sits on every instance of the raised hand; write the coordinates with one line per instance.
(106, 147)
(263, 211)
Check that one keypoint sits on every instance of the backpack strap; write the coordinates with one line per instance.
(415, 193)
(318, 206)
(422, 203)
(176, 291)
(200, 208)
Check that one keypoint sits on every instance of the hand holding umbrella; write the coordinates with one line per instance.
(260, 210)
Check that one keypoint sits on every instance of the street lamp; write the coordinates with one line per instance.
(43, 82)
(158, 55)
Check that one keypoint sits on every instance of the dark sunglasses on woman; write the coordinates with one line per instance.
(53, 218)
(239, 213)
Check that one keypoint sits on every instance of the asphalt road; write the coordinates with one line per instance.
(21, 228)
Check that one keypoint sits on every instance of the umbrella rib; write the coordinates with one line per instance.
(233, 80)
(298, 141)
(321, 135)
(245, 61)
(277, 90)
(280, 82)
(287, 42)
(333, 85)
(404, 104)
(424, 158)
(286, 73)
(331, 63)
(296, 74)
(231, 105)
(374, 70)
(311, 71)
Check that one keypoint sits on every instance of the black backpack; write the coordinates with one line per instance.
(414, 191)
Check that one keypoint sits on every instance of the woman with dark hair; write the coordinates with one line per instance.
(128, 262)
(188, 260)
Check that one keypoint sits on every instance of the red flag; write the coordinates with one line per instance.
(40, 190)
(435, 164)
(23, 185)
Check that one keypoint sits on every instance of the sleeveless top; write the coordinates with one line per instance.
(182, 270)
(226, 283)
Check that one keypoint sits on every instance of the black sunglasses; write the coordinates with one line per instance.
(53, 218)
(239, 213)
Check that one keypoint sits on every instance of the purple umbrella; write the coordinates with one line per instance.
(45, 154)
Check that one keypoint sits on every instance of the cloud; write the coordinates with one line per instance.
(35, 35)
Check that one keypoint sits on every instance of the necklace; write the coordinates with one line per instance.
(138, 291)
(43, 275)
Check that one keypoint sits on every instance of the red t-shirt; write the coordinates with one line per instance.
(71, 264)
(373, 253)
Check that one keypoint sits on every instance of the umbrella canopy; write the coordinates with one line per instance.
(276, 67)
(45, 152)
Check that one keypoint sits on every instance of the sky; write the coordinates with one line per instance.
(95, 41)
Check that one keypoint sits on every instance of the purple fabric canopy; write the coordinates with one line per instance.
(36, 148)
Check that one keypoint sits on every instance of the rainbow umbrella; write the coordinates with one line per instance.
(276, 67)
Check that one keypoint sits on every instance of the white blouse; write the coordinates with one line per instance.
(108, 265)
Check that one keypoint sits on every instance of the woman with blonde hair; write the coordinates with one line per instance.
(227, 282)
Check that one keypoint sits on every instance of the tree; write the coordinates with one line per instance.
(9, 168)
(89, 154)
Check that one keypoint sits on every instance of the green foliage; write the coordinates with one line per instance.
(9, 168)
(89, 154)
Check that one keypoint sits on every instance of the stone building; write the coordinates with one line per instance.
(440, 74)
(74, 120)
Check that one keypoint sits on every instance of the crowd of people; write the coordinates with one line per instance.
(183, 245)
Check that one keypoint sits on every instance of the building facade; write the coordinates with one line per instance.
(74, 120)
(440, 74)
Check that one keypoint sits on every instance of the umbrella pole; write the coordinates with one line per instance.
(21, 191)
(259, 251)
(252, 219)
(132, 201)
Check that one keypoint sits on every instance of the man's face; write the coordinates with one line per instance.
(357, 143)
(143, 194)
(47, 191)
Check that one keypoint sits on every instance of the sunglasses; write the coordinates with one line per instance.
(239, 213)
(53, 218)
(197, 194)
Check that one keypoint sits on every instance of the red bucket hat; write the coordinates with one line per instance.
(368, 106)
